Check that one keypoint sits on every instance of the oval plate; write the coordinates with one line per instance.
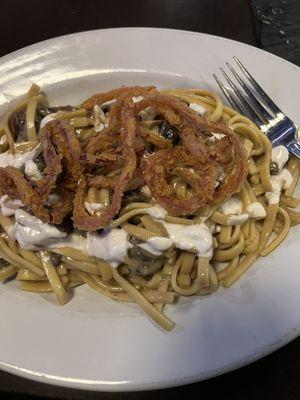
(92, 342)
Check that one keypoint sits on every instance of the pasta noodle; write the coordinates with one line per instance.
(172, 194)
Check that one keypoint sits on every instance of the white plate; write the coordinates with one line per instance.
(94, 343)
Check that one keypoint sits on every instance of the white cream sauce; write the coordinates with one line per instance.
(18, 160)
(110, 245)
(31, 171)
(136, 99)
(283, 179)
(74, 240)
(214, 136)
(101, 120)
(232, 206)
(195, 237)
(280, 156)
(32, 233)
(157, 212)
(279, 182)
(217, 136)
(198, 108)
(156, 245)
(9, 206)
(93, 208)
(256, 210)
(237, 219)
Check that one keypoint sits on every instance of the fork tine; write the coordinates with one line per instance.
(260, 108)
(250, 110)
(228, 96)
(273, 107)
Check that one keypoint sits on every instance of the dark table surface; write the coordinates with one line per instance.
(277, 376)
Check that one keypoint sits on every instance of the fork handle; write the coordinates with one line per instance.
(294, 148)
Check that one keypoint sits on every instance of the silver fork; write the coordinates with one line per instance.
(257, 105)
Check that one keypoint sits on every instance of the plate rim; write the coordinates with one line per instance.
(141, 28)
(101, 386)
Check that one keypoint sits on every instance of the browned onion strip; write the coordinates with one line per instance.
(82, 220)
(162, 163)
(108, 137)
(238, 171)
(63, 206)
(53, 164)
(59, 143)
(26, 193)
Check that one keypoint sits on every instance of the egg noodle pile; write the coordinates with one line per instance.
(143, 195)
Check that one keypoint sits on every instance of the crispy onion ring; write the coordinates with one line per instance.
(61, 152)
(163, 163)
(82, 220)
(193, 131)
(18, 183)
(17, 186)
(178, 114)
(238, 169)
(110, 138)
